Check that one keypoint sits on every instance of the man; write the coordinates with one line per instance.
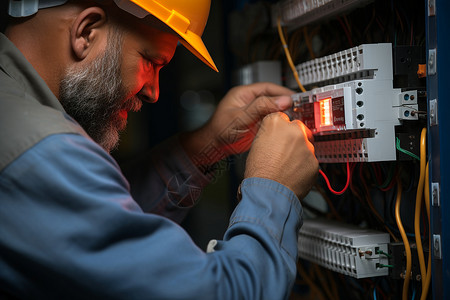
(70, 71)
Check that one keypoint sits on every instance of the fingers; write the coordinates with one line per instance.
(264, 105)
(249, 93)
(267, 89)
(305, 130)
(251, 103)
(284, 116)
(239, 114)
(307, 134)
(265, 98)
(283, 152)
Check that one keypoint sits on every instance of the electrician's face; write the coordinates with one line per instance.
(100, 95)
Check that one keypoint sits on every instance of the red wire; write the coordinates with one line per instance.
(381, 292)
(352, 167)
(329, 185)
(346, 31)
(390, 186)
(378, 173)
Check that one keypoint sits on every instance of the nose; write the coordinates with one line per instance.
(144, 96)
(150, 91)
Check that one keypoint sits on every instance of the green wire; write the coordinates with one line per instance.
(385, 266)
(406, 151)
(389, 178)
(383, 253)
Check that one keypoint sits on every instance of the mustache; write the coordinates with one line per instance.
(132, 104)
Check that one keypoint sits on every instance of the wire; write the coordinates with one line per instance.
(427, 205)
(419, 194)
(385, 266)
(405, 151)
(288, 56)
(390, 186)
(332, 282)
(294, 41)
(369, 24)
(380, 24)
(380, 291)
(390, 177)
(348, 25)
(383, 253)
(405, 241)
(424, 224)
(346, 31)
(308, 280)
(308, 43)
(323, 281)
(408, 234)
(355, 284)
(330, 204)
(372, 208)
(412, 181)
(329, 185)
(419, 112)
(375, 171)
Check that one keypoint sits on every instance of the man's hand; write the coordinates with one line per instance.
(282, 152)
(235, 123)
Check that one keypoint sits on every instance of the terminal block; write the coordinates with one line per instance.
(344, 248)
(354, 118)
(367, 61)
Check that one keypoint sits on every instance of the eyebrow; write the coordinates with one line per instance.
(158, 59)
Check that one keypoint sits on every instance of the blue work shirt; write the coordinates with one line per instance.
(71, 229)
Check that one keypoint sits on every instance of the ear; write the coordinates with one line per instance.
(85, 30)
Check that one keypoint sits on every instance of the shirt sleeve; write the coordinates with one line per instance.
(165, 181)
(69, 229)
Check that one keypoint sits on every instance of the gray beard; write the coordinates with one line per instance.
(93, 96)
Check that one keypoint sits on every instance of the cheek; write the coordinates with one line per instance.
(133, 78)
(136, 74)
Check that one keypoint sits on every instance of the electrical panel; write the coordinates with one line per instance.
(346, 249)
(353, 119)
(360, 70)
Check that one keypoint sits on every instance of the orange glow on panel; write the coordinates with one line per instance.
(326, 118)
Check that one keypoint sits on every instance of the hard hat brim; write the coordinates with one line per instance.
(196, 46)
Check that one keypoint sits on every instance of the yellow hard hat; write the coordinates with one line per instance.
(186, 17)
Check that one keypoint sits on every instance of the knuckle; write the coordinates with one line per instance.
(262, 105)
(271, 117)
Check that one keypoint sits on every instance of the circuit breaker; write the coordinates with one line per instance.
(354, 118)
